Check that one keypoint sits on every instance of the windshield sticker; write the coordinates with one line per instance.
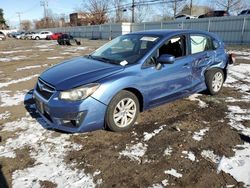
(151, 39)
(123, 63)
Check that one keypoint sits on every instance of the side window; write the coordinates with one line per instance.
(200, 44)
(175, 46)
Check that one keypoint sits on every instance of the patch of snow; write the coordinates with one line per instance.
(165, 182)
(15, 58)
(31, 67)
(236, 115)
(18, 81)
(168, 151)
(156, 185)
(148, 136)
(16, 99)
(74, 49)
(48, 151)
(190, 155)
(54, 58)
(238, 166)
(173, 172)
(198, 135)
(45, 50)
(5, 115)
(209, 155)
(14, 51)
(134, 152)
(201, 103)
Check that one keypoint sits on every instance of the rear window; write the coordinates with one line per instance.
(200, 43)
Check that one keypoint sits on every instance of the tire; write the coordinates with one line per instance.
(214, 80)
(72, 42)
(118, 117)
(37, 38)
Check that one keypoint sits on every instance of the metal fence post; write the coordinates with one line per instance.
(243, 29)
(209, 22)
(161, 25)
(110, 32)
(144, 26)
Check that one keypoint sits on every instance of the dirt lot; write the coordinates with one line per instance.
(200, 141)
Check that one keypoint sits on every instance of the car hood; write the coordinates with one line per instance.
(78, 71)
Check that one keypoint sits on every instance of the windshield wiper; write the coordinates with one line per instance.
(103, 59)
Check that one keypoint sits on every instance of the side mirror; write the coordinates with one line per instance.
(166, 59)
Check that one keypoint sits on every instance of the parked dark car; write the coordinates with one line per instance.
(244, 12)
(130, 74)
(66, 39)
(216, 13)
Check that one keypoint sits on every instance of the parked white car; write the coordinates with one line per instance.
(185, 17)
(41, 35)
(2, 36)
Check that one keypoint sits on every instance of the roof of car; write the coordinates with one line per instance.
(167, 32)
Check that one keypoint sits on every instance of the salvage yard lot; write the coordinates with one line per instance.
(201, 141)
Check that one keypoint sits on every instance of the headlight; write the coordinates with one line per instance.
(79, 93)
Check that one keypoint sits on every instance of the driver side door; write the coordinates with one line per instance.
(171, 81)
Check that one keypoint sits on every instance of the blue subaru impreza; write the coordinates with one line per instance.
(130, 74)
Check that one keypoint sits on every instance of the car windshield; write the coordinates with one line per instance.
(125, 49)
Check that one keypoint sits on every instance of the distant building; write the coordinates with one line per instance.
(80, 18)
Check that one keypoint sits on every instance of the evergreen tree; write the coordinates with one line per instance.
(2, 20)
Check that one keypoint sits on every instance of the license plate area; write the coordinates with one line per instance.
(39, 106)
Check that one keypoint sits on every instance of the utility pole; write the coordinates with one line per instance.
(44, 4)
(133, 11)
(191, 6)
(19, 17)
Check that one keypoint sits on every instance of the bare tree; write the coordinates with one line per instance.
(231, 5)
(142, 10)
(118, 9)
(26, 25)
(171, 8)
(98, 9)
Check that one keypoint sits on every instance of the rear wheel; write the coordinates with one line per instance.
(122, 111)
(72, 42)
(214, 81)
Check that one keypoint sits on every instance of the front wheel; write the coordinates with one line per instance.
(214, 81)
(122, 111)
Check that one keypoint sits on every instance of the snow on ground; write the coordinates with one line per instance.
(209, 155)
(136, 151)
(18, 80)
(15, 51)
(5, 115)
(199, 135)
(31, 67)
(148, 136)
(74, 49)
(201, 103)
(16, 99)
(49, 163)
(15, 58)
(173, 172)
(168, 151)
(189, 155)
(55, 57)
(241, 54)
(238, 166)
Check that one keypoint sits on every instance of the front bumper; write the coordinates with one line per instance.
(80, 116)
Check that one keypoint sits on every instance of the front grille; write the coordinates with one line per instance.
(44, 89)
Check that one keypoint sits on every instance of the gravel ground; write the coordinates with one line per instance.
(199, 141)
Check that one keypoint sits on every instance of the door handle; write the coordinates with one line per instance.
(186, 65)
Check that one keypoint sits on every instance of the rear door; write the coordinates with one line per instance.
(202, 52)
